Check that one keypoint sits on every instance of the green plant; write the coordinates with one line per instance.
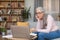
(2, 29)
(25, 14)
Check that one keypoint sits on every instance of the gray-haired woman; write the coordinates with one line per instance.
(49, 31)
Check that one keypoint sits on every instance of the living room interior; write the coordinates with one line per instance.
(22, 13)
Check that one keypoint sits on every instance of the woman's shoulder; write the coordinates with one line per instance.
(49, 17)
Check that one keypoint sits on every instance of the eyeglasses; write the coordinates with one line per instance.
(39, 12)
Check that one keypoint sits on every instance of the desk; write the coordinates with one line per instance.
(15, 38)
(10, 37)
(6, 39)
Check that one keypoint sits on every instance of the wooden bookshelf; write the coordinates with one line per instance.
(10, 8)
(16, 6)
(8, 21)
(10, 14)
(11, 1)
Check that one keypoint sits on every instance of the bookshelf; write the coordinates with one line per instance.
(10, 12)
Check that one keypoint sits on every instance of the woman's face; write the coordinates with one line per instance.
(39, 13)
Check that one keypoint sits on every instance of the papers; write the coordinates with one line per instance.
(7, 36)
(33, 34)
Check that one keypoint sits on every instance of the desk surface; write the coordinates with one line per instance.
(9, 37)
(13, 38)
(32, 36)
(5, 39)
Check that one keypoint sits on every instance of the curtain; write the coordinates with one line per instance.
(37, 3)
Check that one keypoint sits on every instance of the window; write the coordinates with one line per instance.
(50, 6)
(37, 3)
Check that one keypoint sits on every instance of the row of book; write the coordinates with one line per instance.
(12, 4)
(10, 11)
(11, 0)
(10, 18)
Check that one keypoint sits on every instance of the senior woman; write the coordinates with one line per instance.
(43, 31)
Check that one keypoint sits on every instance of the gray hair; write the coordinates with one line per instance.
(40, 8)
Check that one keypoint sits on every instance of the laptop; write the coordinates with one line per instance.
(21, 32)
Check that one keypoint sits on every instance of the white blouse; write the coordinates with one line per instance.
(51, 25)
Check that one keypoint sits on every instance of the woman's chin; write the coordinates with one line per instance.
(41, 18)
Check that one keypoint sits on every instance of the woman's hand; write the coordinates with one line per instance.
(32, 30)
(37, 17)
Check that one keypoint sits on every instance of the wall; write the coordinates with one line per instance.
(30, 3)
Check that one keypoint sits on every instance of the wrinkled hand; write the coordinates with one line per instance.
(32, 30)
(37, 17)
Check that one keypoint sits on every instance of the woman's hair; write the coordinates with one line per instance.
(40, 8)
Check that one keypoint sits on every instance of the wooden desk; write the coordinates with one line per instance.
(34, 38)
(17, 38)
(6, 39)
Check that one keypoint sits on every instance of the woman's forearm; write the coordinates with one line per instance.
(43, 30)
(38, 24)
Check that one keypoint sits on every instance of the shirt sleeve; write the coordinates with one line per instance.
(49, 25)
(39, 24)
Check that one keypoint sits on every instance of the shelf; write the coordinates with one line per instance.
(11, 21)
(6, 6)
(9, 8)
(8, 21)
(11, 1)
(10, 14)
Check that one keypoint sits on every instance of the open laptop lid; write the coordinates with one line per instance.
(20, 31)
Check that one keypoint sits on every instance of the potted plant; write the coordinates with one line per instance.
(2, 30)
(0, 34)
(25, 14)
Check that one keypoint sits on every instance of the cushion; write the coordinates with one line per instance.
(22, 24)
